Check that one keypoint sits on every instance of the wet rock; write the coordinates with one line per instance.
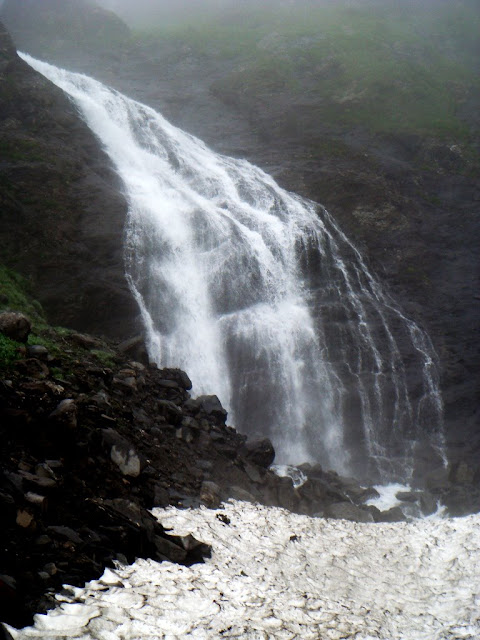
(125, 382)
(428, 503)
(260, 452)
(37, 351)
(254, 473)
(408, 496)
(210, 494)
(238, 493)
(67, 533)
(347, 511)
(135, 347)
(15, 326)
(160, 496)
(122, 453)
(170, 411)
(179, 376)
(287, 497)
(132, 513)
(212, 407)
(395, 514)
(168, 550)
(86, 341)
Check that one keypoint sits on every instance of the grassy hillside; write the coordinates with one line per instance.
(386, 67)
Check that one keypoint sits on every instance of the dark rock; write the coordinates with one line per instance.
(160, 496)
(170, 411)
(122, 453)
(260, 452)
(168, 550)
(15, 326)
(66, 533)
(238, 493)
(428, 503)
(65, 415)
(185, 434)
(347, 511)
(85, 341)
(255, 473)
(135, 347)
(408, 496)
(212, 407)
(178, 376)
(37, 351)
(210, 494)
(395, 514)
(133, 513)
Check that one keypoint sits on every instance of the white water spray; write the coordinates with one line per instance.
(258, 295)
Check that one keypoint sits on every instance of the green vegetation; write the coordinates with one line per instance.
(21, 150)
(15, 295)
(8, 351)
(60, 342)
(389, 67)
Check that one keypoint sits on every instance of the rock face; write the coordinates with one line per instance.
(408, 202)
(62, 212)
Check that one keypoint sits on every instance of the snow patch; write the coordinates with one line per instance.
(278, 575)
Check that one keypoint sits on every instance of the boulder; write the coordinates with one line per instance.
(260, 452)
(122, 453)
(347, 511)
(65, 415)
(210, 494)
(212, 406)
(428, 503)
(395, 514)
(15, 326)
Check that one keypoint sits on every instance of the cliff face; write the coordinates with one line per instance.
(62, 212)
(408, 201)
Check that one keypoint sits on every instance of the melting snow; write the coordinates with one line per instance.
(277, 575)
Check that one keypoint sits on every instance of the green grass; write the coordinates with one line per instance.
(386, 67)
(8, 351)
(15, 295)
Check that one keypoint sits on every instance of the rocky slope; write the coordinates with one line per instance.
(408, 200)
(93, 436)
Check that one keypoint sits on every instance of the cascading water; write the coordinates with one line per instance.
(258, 295)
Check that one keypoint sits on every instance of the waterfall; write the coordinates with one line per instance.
(261, 298)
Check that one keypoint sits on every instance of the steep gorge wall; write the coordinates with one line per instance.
(409, 203)
(62, 211)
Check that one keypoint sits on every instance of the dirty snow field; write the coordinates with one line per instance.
(278, 575)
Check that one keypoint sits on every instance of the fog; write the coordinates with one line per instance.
(141, 13)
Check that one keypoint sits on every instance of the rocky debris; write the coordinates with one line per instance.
(84, 457)
(122, 453)
(15, 326)
(260, 452)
